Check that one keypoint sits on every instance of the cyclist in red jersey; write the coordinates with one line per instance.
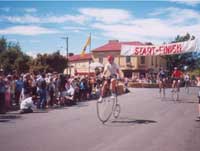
(176, 75)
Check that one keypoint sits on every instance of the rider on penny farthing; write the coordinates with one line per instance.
(111, 73)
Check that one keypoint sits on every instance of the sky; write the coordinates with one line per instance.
(39, 26)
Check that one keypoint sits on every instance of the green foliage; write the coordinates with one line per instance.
(191, 59)
(12, 59)
(3, 44)
(49, 63)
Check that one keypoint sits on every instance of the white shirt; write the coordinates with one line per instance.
(27, 103)
(112, 68)
(186, 77)
(70, 91)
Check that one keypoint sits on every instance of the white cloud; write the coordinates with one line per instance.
(160, 25)
(30, 10)
(106, 15)
(176, 15)
(80, 19)
(155, 30)
(32, 53)
(187, 2)
(175, 22)
(13, 40)
(74, 29)
(22, 19)
(5, 9)
(65, 18)
(86, 15)
(27, 30)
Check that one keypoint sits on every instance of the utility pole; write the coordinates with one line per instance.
(67, 54)
(90, 52)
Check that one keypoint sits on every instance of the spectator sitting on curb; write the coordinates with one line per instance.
(27, 105)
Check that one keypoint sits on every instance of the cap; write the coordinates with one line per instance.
(110, 57)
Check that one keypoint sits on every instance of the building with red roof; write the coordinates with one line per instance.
(79, 57)
(129, 65)
(115, 46)
(79, 64)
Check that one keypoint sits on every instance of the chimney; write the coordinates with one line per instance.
(113, 41)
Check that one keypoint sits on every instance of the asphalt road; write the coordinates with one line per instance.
(146, 123)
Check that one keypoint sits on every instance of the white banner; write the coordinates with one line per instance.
(155, 50)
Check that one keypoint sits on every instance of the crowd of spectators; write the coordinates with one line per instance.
(55, 89)
(49, 89)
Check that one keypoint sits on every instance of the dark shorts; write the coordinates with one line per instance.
(162, 79)
(176, 79)
(199, 98)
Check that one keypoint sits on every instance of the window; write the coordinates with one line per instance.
(142, 60)
(152, 60)
(100, 59)
(128, 59)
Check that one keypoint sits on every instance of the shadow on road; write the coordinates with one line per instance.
(128, 122)
(40, 111)
(186, 101)
(134, 121)
(178, 101)
(8, 117)
(81, 104)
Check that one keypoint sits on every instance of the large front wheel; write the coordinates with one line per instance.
(104, 109)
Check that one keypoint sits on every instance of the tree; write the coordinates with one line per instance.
(49, 63)
(3, 44)
(182, 60)
(13, 59)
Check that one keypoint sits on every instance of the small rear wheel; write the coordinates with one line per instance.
(116, 111)
(175, 95)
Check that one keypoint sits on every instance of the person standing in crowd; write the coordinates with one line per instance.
(8, 92)
(186, 79)
(27, 85)
(42, 92)
(13, 89)
(18, 89)
(2, 93)
(198, 85)
(34, 85)
(51, 90)
(83, 89)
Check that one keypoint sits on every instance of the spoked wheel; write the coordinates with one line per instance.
(162, 93)
(105, 108)
(116, 111)
(187, 89)
(175, 95)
